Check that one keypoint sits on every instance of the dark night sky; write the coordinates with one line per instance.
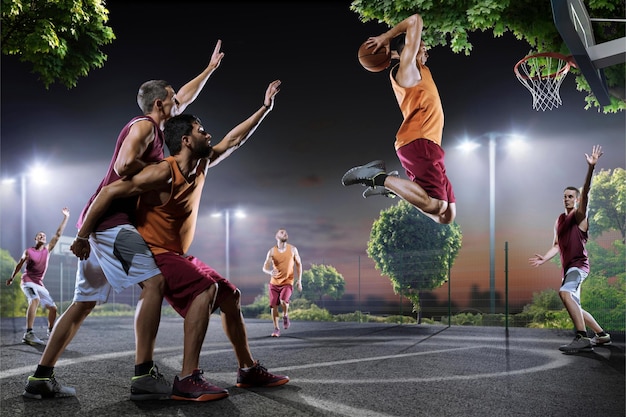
(329, 116)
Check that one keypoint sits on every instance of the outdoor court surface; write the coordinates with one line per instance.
(336, 369)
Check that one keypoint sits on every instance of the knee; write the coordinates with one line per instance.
(231, 304)
(83, 308)
(155, 284)
(211, 294)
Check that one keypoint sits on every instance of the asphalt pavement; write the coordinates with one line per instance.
(336, 369)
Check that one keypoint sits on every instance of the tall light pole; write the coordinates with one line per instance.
(226, 213)
(37, 173)
(23, 220)
(470, 145)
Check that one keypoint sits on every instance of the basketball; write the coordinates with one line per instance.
(373, 62)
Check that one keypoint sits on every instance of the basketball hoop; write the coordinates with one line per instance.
(542, 74)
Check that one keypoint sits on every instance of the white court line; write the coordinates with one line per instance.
(341, 409)
(558, 360)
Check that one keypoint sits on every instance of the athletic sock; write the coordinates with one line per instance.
(379, 180)
(143, 368)
(601, 334)
(29, 330)
(582, 333)
(44, 371)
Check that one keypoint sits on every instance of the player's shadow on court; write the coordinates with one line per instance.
(613, 355)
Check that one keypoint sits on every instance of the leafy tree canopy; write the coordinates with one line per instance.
(322, 280)
(60, 38)
(607, 202)
(412, 250)
(12, 301)
(449, 23)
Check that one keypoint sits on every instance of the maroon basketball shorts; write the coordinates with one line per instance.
(186, 277)
(280, 293)
(423, 162)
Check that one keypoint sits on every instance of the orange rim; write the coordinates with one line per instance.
(567, 59)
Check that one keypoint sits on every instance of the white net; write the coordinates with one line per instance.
(542, 74)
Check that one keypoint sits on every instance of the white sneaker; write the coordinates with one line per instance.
(601, 340)
(31, 339)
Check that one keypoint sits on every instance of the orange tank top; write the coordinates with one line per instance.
(421, 109)
(170, 227)
(283, 262)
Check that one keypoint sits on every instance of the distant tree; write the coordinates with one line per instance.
(449, 23)
(321, 280)
(412, 250)
(12, 301)
(60, 38)
(607, 202)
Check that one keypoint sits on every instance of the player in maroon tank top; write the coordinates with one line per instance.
(570, 237)
(36, 260)
(139, 143)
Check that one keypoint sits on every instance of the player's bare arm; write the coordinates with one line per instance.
(153, 178)
(240, 134)
(188, 93)
(140, 136)
(17, 268)
(551, 253)
(59, 232)
(408, 73)
(581, 210)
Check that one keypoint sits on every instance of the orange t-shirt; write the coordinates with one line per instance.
(283, 262)
(421, 109)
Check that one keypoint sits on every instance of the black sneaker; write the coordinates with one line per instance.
(151, 386)
(38, 388)
(579, 344)
(196, 388)
(258, 376)
(364, 174)
(380, 190)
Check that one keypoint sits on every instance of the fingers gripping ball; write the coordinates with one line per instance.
(373, 62)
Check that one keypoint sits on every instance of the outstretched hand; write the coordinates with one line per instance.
(217, 56)
(66, 212)
(596, 153)
(536, 260)
(270, 93)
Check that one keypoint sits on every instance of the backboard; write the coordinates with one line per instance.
(574, 25)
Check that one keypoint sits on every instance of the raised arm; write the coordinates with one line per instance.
(240, 134)
(408, 73)
(59, 232)
(188, 93)
(581, 210)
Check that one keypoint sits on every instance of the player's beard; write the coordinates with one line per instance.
(204, 151)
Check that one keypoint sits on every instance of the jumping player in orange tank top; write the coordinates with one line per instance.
(418, 140)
